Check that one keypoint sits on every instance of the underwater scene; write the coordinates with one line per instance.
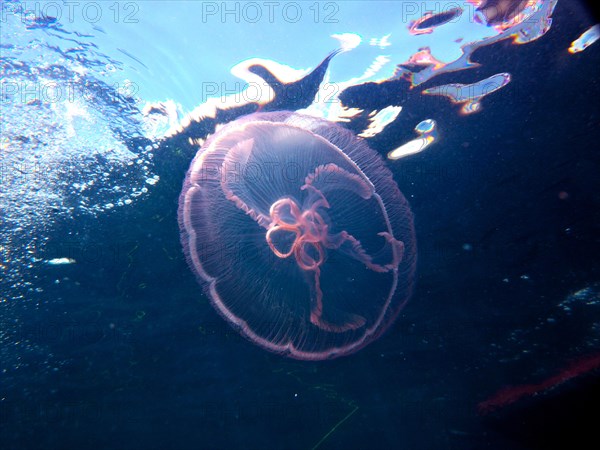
(299, 224)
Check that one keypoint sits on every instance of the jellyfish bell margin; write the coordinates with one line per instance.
(298, 233)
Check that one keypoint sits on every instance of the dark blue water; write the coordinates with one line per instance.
(123, 350)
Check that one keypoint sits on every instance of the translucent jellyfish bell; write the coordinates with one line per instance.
(299, 234)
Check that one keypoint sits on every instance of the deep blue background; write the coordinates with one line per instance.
(147, 363)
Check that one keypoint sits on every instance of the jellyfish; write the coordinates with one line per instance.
(298, 233)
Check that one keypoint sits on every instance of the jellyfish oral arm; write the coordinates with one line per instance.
(316, 314)
(357, 252)
(310, 230)
(308, 227)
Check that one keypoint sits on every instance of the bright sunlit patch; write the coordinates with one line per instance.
(382, 42)
(470, 95)
(161, 118)
(327, 103)
(60, 261)
(427, 126)
(410, 148)
(431, 20)
(348, 41)
(532, 22)
(379, 120)
(428, 131)
(585, 40)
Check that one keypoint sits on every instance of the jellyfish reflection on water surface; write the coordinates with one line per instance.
(299, 234)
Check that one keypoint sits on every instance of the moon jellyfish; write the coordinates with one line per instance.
(298, 233)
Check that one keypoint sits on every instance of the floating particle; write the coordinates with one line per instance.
(60, 261)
